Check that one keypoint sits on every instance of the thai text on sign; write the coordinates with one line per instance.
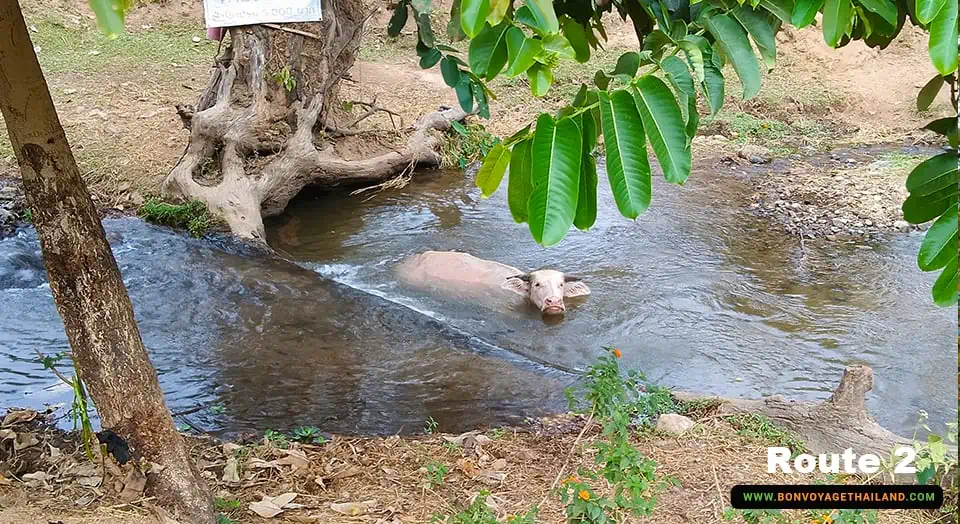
(226, 13)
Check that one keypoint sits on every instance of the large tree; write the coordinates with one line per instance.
(89, 294)
(266, 124)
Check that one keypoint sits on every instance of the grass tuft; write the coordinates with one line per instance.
(192, 216)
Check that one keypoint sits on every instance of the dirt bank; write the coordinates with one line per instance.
(402, 480)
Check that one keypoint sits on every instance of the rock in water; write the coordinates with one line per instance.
(674, 424)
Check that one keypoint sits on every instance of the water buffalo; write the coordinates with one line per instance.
(466, 275)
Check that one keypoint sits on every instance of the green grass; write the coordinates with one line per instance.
(465, 145)
(160, 49)
(227, 504)
(759, 428)
(192, 216)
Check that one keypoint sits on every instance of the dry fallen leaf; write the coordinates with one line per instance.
(4, 481)
(269, 507)
(231, 472)
(351, 471)
(295, 458)
(133, 486)
(353, 508)
(18, 417)
(499, 464)
(24, 440)
(491, 478)
(229, 449)
(467, 468)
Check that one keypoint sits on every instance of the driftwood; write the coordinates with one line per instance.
(831, 426)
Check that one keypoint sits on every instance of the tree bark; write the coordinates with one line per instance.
(258, 133)
(87, 288)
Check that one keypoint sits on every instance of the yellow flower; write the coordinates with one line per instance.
(584, 494)
(573, 478)
(617, 353)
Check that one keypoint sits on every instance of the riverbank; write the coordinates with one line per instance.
(411, 479)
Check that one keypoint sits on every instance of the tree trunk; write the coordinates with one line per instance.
(97, 314)
(840, 422)
(258, 133)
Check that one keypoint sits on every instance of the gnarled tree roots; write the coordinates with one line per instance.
(257, 135)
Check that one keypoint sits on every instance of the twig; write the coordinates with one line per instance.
(55, 371)
(716, 481)
(294, 31)
(138, 501)
(566, 462)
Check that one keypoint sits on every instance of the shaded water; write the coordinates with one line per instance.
(698, 294)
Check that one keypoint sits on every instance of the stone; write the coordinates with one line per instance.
(901, 225)
(755, 154)
(674, 424)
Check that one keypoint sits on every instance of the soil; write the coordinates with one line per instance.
(517, 466)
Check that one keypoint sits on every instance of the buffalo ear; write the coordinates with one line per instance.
(575, 288)
(519, 284)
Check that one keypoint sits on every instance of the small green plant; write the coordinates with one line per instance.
(480, 513)
(934, 464)
(79, 408)
(496, 433)
(285, 79)
(309, 435)
(192, 216)
(436, 472)
(223, 519)
(223, 504)
(775, 516)
(28, 215)
(467, 144)
(618, 401)
(431, 426)
(276, 438)
(451, 447)
(760, 428)
(218, 409)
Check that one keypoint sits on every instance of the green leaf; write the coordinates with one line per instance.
(945, 288)
(732, 39)
(939, 245)
(454, 27)
(577, 36)
(540, 78)
(927, 10)
(524, 16)
(682, 82)
(656, 42)
(488, 51)
(542, 11)
(627, 64)
(946, 127)
(628, 167)
(465, 94)
(664, 126)
(430, 58)
(601, 80)
(110, 15)
(519, 185)
(450, 71)
(924, 475)
(521, 52)
(933, 188)
(929, 92)
(480, 95)
(782, 9)
(498, 9)
(492, 170)
(694, 57)
(559, 44)
(805, 12)
(398, 20)
(473, 15)
(761, 31)
(424, 31)
(836, 17)
(713, 87)
(884, 8)
(586, 214)
(943, 39)
(556, 179)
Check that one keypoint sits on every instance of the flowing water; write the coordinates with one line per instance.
(698, 294)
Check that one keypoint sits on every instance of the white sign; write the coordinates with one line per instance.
(227, 13)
